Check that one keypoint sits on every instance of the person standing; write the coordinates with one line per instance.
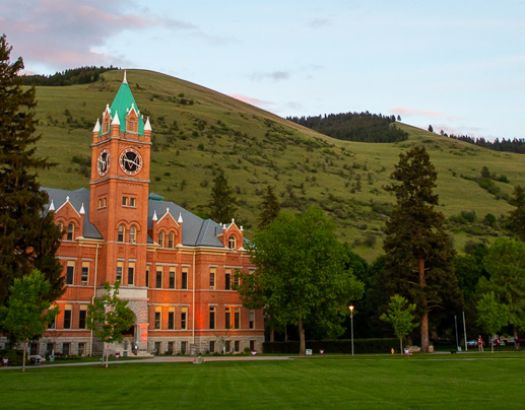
(480, 343)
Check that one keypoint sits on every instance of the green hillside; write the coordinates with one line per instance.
(198, 130)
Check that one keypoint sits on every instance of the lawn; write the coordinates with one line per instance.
(437, 381)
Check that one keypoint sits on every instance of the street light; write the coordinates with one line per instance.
(351, 308)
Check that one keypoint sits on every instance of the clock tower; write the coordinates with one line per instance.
(119, 189)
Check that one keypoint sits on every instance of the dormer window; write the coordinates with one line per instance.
(161, 239)
(171, 240)
(132, 122)
(232, 242)
(70, 232)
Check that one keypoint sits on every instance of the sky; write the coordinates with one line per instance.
(458, 65)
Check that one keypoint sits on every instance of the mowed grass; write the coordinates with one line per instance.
(437, 381)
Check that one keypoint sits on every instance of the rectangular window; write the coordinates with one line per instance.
(212, 346)
(236, 280)
(120, 270)
(81, 349)
(184, 280)
(70, 272)
(131, 273)
(124, 201)
(67, 318)
(52, 324)
(251, 319)
(157, 347)
(158, 279)
(252, 345)
(212, 279)
(50, 348)
(66, 348)
(237, 318)
(171, 284)
(171, 320)
(147, 277)
(237, 346)
(227, 317)
(82, 317)
(212, 317)
(170, 348)
(227, 346)
(183, 347)
(183, 318)
(157, 320)
(132, 202)
(227, 281)
(84, 277)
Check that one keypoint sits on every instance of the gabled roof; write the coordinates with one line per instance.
(78, 197)
(122, 103)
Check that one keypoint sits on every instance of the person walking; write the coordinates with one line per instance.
(480, 343)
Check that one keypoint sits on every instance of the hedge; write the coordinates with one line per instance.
(335, 346)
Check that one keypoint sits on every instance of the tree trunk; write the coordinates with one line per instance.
(24, 354)
(424, 306)
(272, 335)
(106, 356)
(302, 344)
(401, 345)
(286, 333)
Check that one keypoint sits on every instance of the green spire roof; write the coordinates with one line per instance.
(122, 103)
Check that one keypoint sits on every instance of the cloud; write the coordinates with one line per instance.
(273, 75)
(417, 112)
(252, 100)
(317, 23)
(62, 33)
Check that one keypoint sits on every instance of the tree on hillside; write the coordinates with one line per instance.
(517, 216)
(28, 236)
(223, 203)
(419, 253)
(27, 313)
(269, 208)
(301, 276)
(400, 315)
(430, 128)
(109, 317)
(505, 262)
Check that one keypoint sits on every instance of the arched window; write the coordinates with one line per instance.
(161, 239)
(61, 229)
(120, 233)
(133, 234)
(70, 231)
(171, 240)
(232, 242)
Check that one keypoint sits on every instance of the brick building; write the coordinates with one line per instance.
(176, 269)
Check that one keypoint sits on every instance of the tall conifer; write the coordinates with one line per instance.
(419, 253)
(269, 208)
(28, 236)
(223, 203)
(517, 216)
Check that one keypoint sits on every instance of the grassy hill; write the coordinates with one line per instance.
(198, 130)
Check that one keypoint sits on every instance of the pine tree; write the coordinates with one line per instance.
(419, 253)
(223, 203)
(28, 236)
(269, 208)
(430, 128)
(517, 216)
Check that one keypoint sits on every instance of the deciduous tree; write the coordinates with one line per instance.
(109, 317)
(517, 216)
(27, 313)
(28, 236)
(419, 253)
(400, 315)
(492, 315)
(301, 276)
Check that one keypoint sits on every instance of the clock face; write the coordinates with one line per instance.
(103, 163)
(130, 161)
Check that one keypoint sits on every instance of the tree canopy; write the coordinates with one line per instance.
(29, 237)
(418, 251)
(301, 278)
(517, 215)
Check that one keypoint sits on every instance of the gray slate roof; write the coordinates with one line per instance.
(195, 231)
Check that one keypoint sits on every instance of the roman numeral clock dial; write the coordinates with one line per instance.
(130, 161)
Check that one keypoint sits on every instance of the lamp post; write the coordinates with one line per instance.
(351, 308)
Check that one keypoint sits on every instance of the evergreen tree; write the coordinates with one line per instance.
(430, 128)
(28, 237)
(419, 253)
(269, 208)
(223, 203)
(517, 216)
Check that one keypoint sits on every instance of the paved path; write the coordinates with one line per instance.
(156, 359)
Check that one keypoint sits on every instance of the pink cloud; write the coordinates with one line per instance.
(252, 100)
(416, 112)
